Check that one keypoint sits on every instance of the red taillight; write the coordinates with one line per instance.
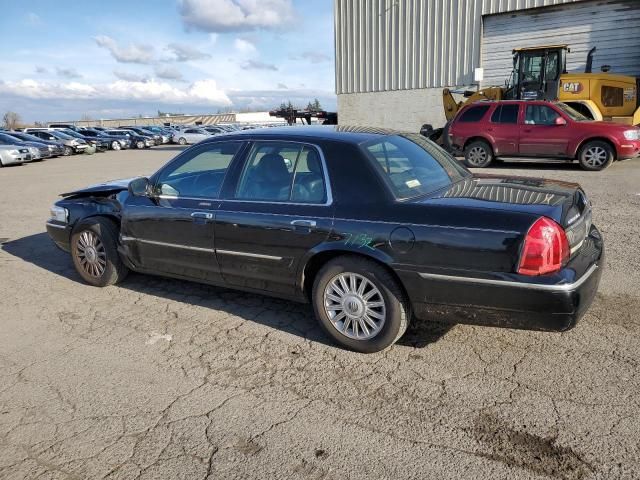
(545, 248)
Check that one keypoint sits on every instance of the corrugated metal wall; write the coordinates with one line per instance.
(613, 26)
(405, 44)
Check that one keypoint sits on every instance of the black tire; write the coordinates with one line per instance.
(68, 151)
(478, 154)
(106, 231)
(139, 144)
(182, 141)
(397, 310)
(596, 155)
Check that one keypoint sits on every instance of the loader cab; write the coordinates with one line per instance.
(536, 73)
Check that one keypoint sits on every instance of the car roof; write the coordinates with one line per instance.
(340, 133)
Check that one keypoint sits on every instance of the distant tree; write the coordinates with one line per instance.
(11, 120)
(39, 124)
(316, 105)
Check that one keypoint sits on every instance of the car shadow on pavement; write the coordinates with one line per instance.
(287, 316)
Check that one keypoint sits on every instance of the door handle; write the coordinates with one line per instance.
(304, 223)
(200, 216)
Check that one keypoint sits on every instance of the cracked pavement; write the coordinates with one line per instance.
(160, 378)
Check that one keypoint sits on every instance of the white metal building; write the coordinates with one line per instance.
(393, 57)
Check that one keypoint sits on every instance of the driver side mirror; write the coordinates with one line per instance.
(139, 187)
(560, 121)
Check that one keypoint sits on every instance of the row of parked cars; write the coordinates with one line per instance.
(59, 139)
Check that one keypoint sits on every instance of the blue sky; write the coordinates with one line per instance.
(66, 59)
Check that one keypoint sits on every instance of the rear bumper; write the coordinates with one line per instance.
(531, 305)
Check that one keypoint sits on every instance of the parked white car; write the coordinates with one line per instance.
(190, 135)
(14, 155)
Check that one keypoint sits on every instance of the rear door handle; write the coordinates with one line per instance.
(201, 217)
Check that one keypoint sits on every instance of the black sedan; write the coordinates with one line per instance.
(372, 227)
(116, 142)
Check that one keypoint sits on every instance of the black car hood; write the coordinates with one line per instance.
(112, 186)
(537, 196)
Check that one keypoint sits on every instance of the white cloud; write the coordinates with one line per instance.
(258, 65)
(67, 73)
(130, 77)
(33, 20)
(133, 53)
(236, 15)
(183, 53)
(169, 73)
(244, 46)
(200, 92)
(315, 57)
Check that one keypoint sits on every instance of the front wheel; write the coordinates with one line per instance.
(595, 155)
(68, 151)
(360, 304)
(140, 144)
(95, 254)
(182, 141)
(478, 154)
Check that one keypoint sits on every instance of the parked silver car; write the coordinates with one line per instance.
(13, 155)
(190, 135)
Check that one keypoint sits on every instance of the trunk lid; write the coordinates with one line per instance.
(564, 202)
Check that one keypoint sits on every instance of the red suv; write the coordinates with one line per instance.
(485, 130)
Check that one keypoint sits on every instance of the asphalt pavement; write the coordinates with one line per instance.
(164, 379)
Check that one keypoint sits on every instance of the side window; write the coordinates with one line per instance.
(540, 115)
(612, 96)
(505, 114)
(200, 174)
(282, 172)
(473, 114)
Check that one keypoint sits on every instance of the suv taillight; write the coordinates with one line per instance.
(545, 249)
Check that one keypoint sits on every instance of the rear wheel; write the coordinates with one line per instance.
(360, 304)
(595, 155)
(478, 154)
(115, 145)
(95, 254)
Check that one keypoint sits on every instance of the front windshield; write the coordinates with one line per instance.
(574, 114)
(412, 165)
(61, 135)
(71, 133)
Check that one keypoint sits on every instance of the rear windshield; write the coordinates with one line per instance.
(412, 165)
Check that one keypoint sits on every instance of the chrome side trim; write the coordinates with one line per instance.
(55, 225)
(246, 254)
(165, 244)
(507, 283)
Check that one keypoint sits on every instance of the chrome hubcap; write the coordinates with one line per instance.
(595, 156)
(355, 306)
(477, 156)
(91, 254)
(116, 146)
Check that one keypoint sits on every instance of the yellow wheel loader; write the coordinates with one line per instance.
(539, 73)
